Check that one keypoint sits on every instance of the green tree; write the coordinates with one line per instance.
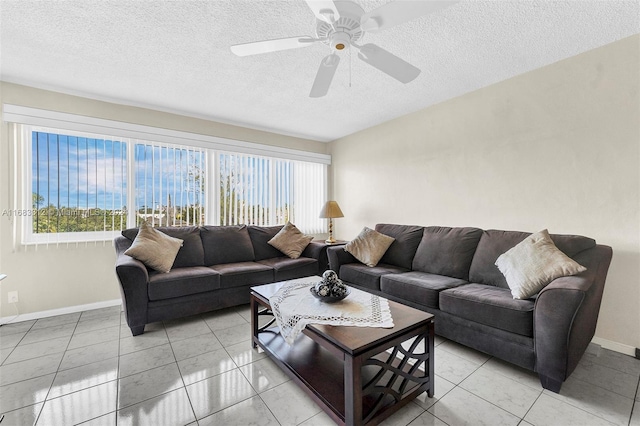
(37, 199)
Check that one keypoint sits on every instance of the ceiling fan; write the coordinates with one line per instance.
(342, 24)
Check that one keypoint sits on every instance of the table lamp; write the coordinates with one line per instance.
(330, 210)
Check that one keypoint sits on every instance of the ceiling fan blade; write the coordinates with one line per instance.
(398, 12)
(388, 63)
(324, 76)
(266, 46)
(325, 10)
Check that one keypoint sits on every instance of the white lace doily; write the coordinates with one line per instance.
(294, 307)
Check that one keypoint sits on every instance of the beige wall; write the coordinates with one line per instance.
(558, 148)
(59, 277)
(555, 148)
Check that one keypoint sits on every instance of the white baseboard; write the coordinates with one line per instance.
(615, 346)
(60, 311)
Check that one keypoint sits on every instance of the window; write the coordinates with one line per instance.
(169, 185)
(269, 191)
(78, 184)
(251, 190)
(74, 183)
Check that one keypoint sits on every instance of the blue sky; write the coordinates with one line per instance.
(81, 172)
(161, 172)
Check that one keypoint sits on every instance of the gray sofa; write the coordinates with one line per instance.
(214, 269)
(451, 273)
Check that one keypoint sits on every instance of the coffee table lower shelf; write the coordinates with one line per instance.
(354, 389)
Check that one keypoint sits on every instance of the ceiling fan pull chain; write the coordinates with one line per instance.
(350, 58)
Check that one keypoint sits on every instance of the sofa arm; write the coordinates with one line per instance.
(338, 257)
(314, 250)
(317, 250)
(134, 280)
(565, 317)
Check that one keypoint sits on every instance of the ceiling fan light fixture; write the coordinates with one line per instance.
(340, 41)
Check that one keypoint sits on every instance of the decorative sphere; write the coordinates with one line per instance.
(323, 289)
(330, 285)
(329, 275)
(338, 290)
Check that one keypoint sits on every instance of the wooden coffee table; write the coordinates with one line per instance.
(358, 375)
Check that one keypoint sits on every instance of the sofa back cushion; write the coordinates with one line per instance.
(495, 242)
(260, 236)
(447, 251)
(401, 251)
(190, 254)
(226, 244)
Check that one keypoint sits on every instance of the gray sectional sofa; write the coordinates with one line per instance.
(214, 269)
(451, 273)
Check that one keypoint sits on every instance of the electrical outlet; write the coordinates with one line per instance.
(12, 297)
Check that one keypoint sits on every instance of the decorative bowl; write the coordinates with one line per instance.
(328, 299)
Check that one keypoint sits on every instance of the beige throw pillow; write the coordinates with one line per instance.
(369, 246)
(534, 263)
(290, 241)
(155, 249)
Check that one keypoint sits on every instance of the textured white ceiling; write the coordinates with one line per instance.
(174, 56)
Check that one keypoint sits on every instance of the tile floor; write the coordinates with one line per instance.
(86, 368)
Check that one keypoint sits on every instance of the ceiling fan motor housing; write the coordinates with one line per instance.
(346, 30)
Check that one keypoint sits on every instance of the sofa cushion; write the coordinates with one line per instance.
(286, 268)
(401, 251)
(447, 251)
(494, 242)
(181, 282)
(571, 245)
(369, 246)
(190, 254)
(155, 249)
(243, 274)
(533, 263)
(226, 244)
(366, 276)
(489, 305)
(260, 236)
(418, 287)
(290, 241)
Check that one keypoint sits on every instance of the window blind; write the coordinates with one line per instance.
(268, 191)
(82, 123)
(77, 185)
(169, 184)
(247, 190)
(309, 195)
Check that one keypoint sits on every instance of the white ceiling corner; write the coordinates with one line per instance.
(174, 56)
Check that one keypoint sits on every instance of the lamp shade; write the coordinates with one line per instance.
(331, 209)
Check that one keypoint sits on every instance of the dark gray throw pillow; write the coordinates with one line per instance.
(260, 237)
(447, 251)
(402, 250)
(226, 244)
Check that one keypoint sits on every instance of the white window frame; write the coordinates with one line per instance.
(305, 190)
(76, 125)
(30, 237)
